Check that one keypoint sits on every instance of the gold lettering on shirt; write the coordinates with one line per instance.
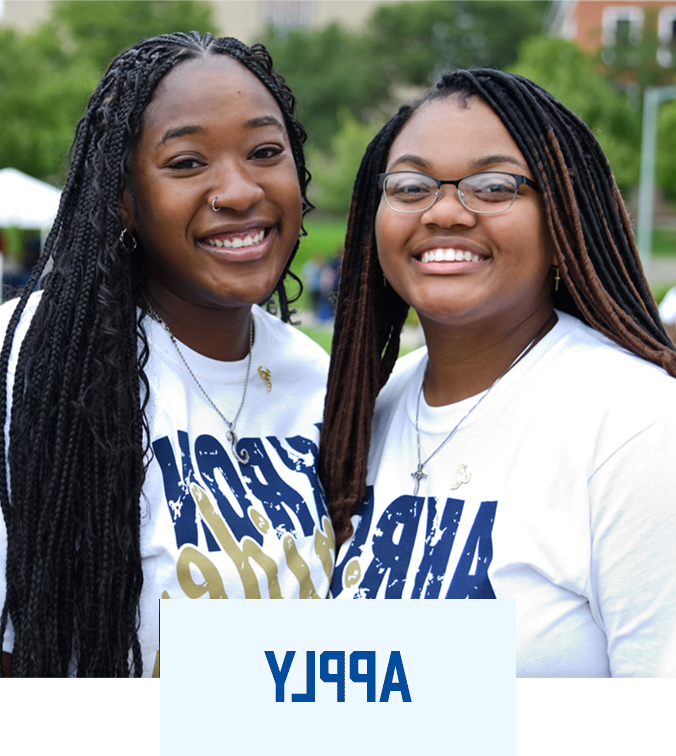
(240, 556)
(212, 583)
(325, 546)
(156, 668)
(352, 573)
(260, 521)
(298, 566)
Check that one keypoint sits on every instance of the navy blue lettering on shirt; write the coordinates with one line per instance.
(258, 482)
(388, 569)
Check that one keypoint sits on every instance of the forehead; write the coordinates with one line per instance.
(448, 129)
(212, 86)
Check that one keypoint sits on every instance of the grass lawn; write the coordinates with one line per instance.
(321, 335)
(325, 237)
(664, 242)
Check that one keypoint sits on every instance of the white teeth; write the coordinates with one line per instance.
(448, 255)
(237, 243)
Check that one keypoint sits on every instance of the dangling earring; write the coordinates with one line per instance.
(384, 281)
(557, 278)
(123, 236)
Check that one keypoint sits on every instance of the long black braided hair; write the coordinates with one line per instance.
(601, 274)
(78, 436)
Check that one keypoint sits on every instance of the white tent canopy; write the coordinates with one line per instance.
(26, 202)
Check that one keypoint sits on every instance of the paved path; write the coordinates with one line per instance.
(662, 270)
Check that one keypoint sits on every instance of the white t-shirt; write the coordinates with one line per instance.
(565, 503)
(210, 527)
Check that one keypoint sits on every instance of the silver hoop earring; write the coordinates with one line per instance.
(123, 235)
(213, 205)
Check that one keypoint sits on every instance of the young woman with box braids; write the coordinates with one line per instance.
(128, 379)
(527, 451)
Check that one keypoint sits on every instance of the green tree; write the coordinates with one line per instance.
(100, 30)
(334, 170)
(327, 69)
(666, 149)
(43, 94)
(414, 41)
(403, 45)
(574, 78)
(47, 76)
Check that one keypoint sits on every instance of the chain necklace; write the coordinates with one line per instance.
(465, 476)
(243, 456)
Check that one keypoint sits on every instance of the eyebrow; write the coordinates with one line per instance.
(251, 123)
(179, 131)
(261, 121)
(475, 165)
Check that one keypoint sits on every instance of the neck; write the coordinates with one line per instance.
(463, 364)
(218, 333)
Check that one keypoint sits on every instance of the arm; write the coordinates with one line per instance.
(633, 558)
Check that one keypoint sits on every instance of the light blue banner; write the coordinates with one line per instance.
(324, 677)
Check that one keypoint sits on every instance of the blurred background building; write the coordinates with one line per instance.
(596, 23)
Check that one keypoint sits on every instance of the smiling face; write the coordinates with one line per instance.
(212, 133)
(453, 266)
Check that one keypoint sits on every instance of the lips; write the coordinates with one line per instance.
(449, 255)
(236, 240)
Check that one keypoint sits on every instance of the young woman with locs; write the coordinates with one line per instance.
(160, 428)
(527, 452)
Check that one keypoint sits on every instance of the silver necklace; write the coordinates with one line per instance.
(464, 475)
(243, 456)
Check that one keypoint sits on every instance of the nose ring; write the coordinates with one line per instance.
(213, 205)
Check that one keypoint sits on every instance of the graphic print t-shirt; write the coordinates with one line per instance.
(210, 527)
(557, 491)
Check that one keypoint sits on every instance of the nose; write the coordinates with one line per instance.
(236, 189)
(450, 211)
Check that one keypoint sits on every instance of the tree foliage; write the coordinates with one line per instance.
(43, 93)
(666, 163)
(573, 77)
(403, 45)
(98, 31)
(329, 70)
(413, 42)
(47, 76)
(334, 170)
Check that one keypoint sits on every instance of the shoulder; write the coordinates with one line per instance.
(296, 349)
(594, 377)
(405, 370)
(604, 360)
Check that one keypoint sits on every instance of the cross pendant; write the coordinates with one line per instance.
(418, 475)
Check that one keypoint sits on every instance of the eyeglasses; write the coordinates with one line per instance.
(486, 193)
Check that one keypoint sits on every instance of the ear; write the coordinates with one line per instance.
(126, 207)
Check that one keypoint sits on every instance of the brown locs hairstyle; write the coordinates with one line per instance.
(78, 436)
(601, 275)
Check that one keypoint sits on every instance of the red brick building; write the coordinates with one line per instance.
(596, 23)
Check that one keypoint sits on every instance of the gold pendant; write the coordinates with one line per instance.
(462, 475)
(266, 375)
